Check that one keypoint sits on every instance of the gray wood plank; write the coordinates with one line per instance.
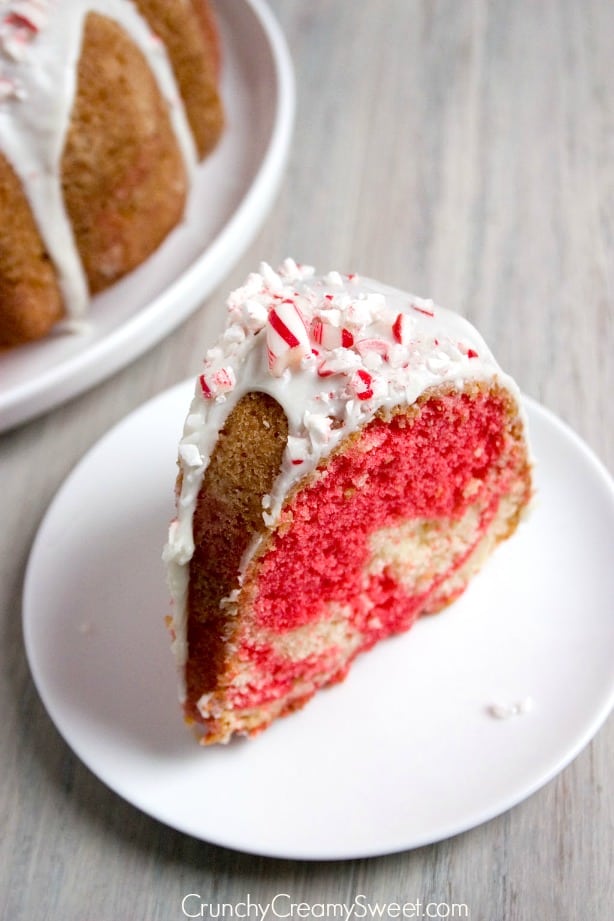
(460, 150)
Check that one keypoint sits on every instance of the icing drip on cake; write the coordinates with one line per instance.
(40, 43)
(332, 350)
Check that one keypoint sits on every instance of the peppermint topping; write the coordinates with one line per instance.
(332, 350)
(10, 88)
(214, 384)
(425, 307)
(297, 450)
(20, 23)
(361, 384)
(339, 361)
(401, 329)
(287, 338)
(325, 330)
(373, 348)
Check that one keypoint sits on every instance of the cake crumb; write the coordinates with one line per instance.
(502, 711)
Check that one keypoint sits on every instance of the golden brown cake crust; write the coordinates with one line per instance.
(122, 173)
(190, 36)
(30, 300)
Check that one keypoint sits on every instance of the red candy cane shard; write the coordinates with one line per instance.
(204, 386)
(379, 346)
(283, 330)
(401, 329)
(360, 383)
(28, 14)
(331, 337)
(214, 383)
(466, 350)
(324, 369)
(317, 330)
(286, 336)
(427, 313)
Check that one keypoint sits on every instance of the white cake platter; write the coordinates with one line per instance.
(232, 194)
(409, 749)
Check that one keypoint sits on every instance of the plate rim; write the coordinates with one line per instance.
(80, 371)
(398, 845)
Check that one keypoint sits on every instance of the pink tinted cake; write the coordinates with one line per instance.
(351, 456)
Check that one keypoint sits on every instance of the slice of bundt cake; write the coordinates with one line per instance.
(105, 107)
(351, 456)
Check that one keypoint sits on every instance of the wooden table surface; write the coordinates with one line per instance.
(461, 150)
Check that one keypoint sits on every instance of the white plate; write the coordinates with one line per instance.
(404, 752)
(233, 192)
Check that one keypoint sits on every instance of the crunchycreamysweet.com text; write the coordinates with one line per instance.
(284, 906)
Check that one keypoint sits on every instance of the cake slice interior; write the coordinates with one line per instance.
(389, 527)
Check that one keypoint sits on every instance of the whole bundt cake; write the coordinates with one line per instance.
(351, 456)
(105, 108)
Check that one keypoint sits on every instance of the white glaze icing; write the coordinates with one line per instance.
(396, 347)
(40, 44)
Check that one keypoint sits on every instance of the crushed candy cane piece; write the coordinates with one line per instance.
(217, 383)
(361, 383)
(318, 427)
(423, 307)
(286, 337)
(331, 335)
(374, 345)
(401, 329)
(437, 362)
(296, 449)
(340, 361)
(503, 711)
(254, 315)
(22, 21)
